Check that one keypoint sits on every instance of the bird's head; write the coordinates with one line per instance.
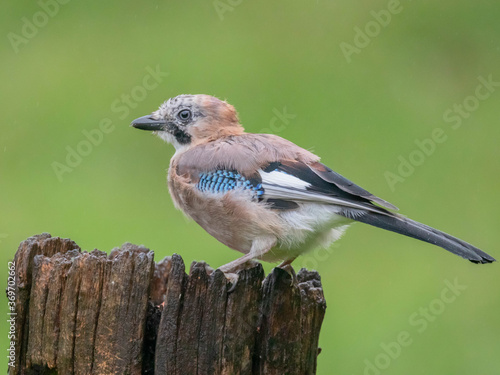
(191, 119)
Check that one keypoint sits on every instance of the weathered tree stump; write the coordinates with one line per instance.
(92, 313)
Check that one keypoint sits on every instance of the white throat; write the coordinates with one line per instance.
(167, 137)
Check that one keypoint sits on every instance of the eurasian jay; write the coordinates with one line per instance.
(263, 195)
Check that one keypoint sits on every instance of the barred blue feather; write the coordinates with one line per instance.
(221, 181)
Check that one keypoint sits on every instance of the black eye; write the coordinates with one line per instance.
(184, 115)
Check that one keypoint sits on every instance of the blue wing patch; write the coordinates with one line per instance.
(221, 181)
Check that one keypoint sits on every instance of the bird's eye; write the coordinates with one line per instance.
(184, 115)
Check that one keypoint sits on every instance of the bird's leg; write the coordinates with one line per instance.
(260, 247)
(236, 264)
(287, 262)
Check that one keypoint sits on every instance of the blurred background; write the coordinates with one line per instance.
(361, 84)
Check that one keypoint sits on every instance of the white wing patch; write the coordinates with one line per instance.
(280, 185)
(283, 179)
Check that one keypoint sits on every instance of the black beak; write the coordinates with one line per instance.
(148, 123)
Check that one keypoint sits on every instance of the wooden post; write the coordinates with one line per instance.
(122, 313)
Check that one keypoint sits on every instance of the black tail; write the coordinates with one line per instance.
(410, 228)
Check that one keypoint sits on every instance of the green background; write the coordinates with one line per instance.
(360, 116)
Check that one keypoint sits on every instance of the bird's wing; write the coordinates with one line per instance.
(280, 171)
(298, 181)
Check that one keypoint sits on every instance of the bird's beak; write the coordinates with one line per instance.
(148, 123)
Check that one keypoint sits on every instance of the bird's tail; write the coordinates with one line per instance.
(399, 224)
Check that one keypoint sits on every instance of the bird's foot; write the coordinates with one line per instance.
(232, 277)
(288, 268)
(232, 273)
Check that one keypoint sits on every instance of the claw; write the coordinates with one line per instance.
(233, 279)
(288, 268)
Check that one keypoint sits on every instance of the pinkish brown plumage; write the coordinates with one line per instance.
(263, 195)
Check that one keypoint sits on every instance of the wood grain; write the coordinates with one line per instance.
(122, 313)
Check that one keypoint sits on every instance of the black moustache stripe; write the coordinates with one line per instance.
(180, 135)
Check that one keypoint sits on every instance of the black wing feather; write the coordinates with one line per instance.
(346, 185)
(327, 183)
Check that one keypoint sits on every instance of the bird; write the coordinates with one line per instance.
(263, 195)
